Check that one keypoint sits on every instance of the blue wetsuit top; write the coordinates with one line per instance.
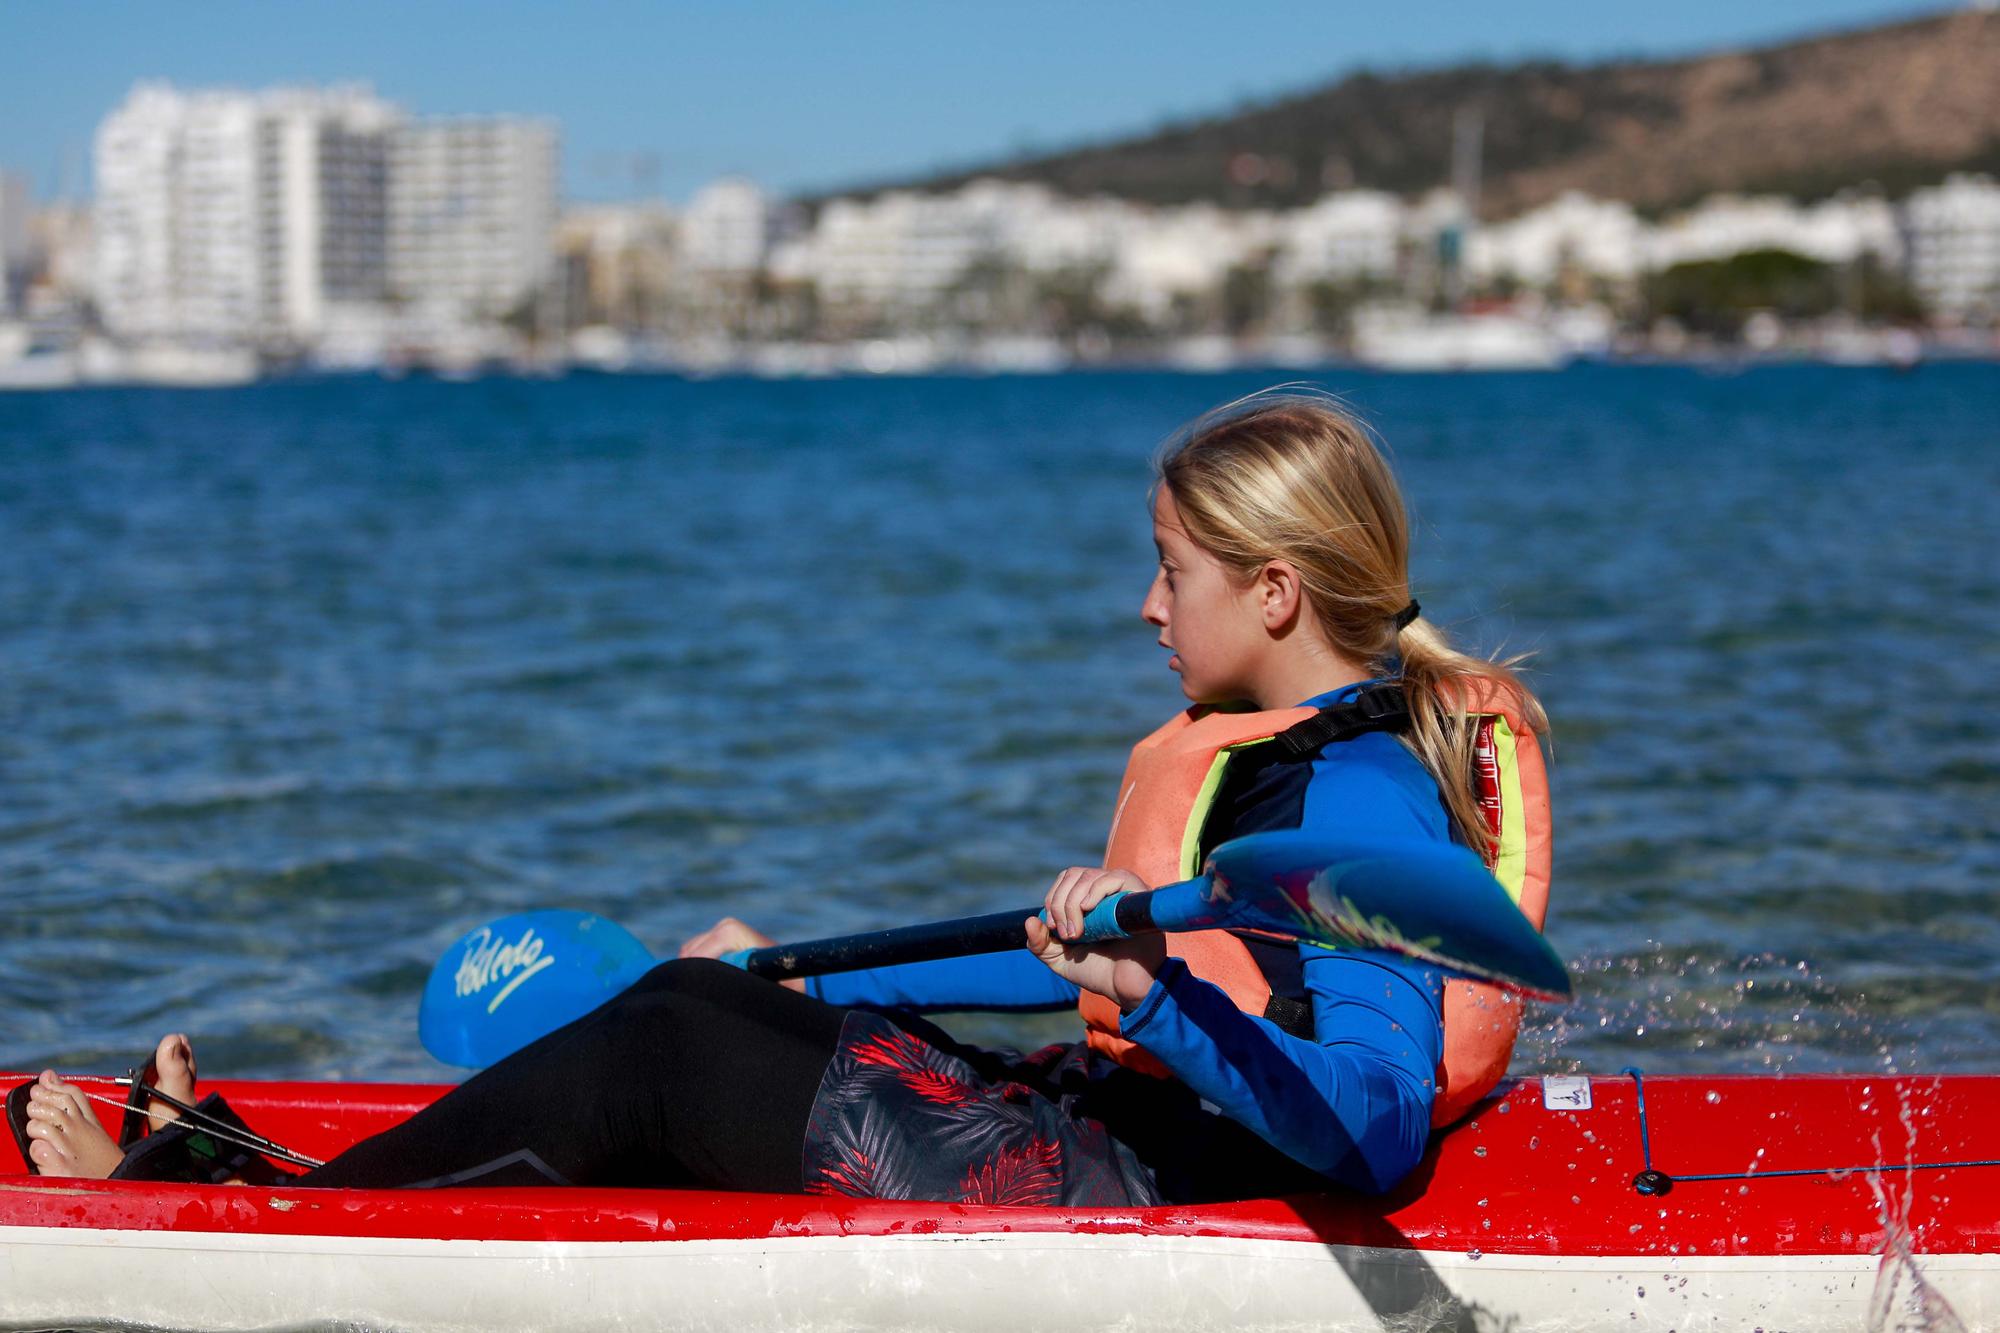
(1354, 1102)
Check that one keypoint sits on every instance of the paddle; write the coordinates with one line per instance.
(1429, 901)
(508, 982)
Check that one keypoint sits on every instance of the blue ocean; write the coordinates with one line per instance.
(301, 681)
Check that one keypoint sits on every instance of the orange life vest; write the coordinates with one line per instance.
(1169, 785)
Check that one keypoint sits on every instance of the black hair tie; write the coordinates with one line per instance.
(1406, 615)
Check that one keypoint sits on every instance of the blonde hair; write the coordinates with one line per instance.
(1294, 476)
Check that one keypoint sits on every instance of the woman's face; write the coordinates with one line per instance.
(1212, 623)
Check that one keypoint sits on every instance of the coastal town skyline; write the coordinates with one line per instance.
(678, 100)
(1494, 217)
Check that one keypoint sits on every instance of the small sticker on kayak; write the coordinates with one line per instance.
(1565, 1092)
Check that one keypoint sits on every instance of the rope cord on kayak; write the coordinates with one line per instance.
(1654, 1182)
(208, 1124)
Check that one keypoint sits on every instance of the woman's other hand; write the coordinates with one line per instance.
(727, 936)
(1120, 970)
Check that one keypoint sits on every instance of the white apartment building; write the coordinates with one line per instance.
(238, 218)
(728, 228)
(1573, 232)
(472, 215)
(1348, 236)
(1046, 233)
(1186, 251)
(897, 251)
(1952, 234)
(1835, 231)
(323, 177)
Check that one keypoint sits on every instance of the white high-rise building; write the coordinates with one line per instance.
(472, 215)
(1952, 235)
(236, 217)
(323, 177)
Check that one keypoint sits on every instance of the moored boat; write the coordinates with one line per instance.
(1806, 1202)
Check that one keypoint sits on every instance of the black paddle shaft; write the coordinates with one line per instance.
(995, 932)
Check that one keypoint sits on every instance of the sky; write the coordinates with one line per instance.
(658, 99)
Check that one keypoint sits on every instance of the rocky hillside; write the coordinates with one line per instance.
(1899, 105)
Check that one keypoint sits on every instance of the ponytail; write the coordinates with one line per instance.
(1446, 690)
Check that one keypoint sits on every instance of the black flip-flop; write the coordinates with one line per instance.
(138, 1122)
(17, 1120)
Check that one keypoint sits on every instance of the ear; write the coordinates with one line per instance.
(1280, 592)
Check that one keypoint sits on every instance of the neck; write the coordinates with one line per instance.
(1293, 678)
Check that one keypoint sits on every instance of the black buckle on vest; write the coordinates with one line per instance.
(1376, 708)
(1292, 1017)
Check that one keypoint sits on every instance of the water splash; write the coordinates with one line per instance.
(1902, 1293)
(1904, 1301)
(1699, 1013)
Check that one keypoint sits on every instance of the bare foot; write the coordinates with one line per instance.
(173, 1074)
(67, 1139)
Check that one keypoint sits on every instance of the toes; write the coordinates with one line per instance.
(174, 1063)
(79, 1105)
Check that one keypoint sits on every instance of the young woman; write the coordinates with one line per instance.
(1214, 1066)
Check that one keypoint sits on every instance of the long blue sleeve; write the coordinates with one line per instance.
(1013, 982)
(1354, 1105)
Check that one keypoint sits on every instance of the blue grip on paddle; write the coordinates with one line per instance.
(1099, 923)
(735, 958)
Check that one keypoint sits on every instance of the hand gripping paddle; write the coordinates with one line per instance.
(1430, 901)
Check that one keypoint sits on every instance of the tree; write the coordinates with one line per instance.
(1715, 296)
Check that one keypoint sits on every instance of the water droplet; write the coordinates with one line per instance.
(1534, 1142)
(1714, 1097)
(1482, 1203)
(1576, 1198)
(1505, 1108)
(1480, 1151)
(1485, 1224)
(1474, 1255)
(1642, 1293)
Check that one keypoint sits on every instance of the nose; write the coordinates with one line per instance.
(1154, 609)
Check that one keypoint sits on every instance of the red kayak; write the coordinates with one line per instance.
(1808, 1202)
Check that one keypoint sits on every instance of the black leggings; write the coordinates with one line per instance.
(699, 1075)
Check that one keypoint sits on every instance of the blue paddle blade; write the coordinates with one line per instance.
(1430, 901)
(518, 978)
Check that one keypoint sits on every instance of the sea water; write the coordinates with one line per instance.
(300, 681)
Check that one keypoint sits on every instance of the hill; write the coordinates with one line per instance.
(1898, 105)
